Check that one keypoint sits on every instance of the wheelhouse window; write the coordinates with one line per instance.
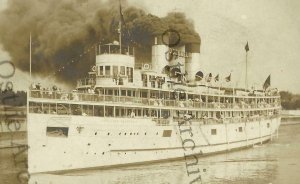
(122, 70)
(107, 70)
(101, 70)
(115, 70)
(145, 80)
(130, 74)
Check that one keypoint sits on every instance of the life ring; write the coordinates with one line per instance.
(146, 66)
(94, 68)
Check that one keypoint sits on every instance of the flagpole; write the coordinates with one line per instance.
(30, 57)
(246, 77)
(120, 37)
(120, 26)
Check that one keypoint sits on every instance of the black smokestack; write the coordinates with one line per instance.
(62, 30)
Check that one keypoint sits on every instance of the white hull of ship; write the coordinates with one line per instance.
(94, 142)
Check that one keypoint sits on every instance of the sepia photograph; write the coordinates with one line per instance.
(149, 92)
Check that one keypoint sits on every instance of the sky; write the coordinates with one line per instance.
(271, 27)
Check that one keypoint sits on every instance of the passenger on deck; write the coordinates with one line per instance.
(132, 115)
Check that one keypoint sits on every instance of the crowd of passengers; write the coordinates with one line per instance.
(96, 94)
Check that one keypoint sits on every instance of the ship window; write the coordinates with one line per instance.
(165, 113)
(153, 84)
(87, 110)
(107, 70)
(167, 133)
(144, 94)
(138, 112)
(98, 70)
(128, 71)
(99, 111)
(109, 111)
(45, 108)
(76, 109)
(118, 111)
(129, 93)
(129, 74)
(268, 125)
(35, 107)
(240, 129)
(122, 70)
(146, 113)
(53, 109)
(62, 109)
(123, 93)
(57, 132)
(115, 70)
(213, 131)
(108, 92)
(101, 70)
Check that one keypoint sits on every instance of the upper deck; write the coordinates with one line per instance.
(159, 98)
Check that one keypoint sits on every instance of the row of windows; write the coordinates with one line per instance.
(116, 111)
(156, 81)
(114, 70)
(181, 95)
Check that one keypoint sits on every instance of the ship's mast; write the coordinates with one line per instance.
(120, 28)
(246, 76)
(30, 56)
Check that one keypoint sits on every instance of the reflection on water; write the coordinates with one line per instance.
(277, 162)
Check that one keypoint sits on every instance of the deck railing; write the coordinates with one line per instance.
(83, 97)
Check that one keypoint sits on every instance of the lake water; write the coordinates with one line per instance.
(277, 162)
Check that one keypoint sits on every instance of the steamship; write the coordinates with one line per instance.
(124, 113)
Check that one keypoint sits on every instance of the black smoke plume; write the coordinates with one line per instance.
(62, 30)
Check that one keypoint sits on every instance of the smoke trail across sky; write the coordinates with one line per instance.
(63, 29)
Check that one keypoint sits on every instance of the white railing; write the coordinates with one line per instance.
(84, 97)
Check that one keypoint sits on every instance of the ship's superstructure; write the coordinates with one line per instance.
(123, 113)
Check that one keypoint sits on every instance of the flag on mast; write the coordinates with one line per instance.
(125, 32)
(228, 78)
(208, 77)
(217, 78)
(247, 47)
(267, 83)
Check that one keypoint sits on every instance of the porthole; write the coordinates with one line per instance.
(125, 134)
(130, 133)
(120, 133)
(95, 133)
(145, 133)
(108, 133)
(102, 153)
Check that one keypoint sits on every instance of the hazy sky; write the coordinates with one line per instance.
(272, 28)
